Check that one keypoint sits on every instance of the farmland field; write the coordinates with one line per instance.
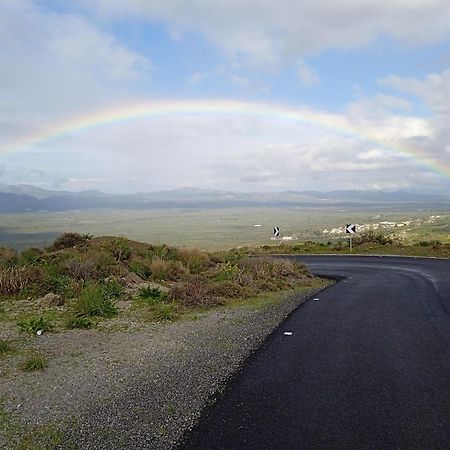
(219, 228)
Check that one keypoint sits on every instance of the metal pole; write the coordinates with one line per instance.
(351, 249)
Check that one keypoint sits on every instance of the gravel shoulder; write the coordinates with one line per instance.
(136, 387)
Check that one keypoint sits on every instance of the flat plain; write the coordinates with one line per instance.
(221, 228)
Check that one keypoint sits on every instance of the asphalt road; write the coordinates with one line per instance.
(367, 366)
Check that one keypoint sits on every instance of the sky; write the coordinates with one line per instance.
(131, 96)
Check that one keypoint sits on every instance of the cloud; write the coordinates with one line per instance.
(53, 62)
(307, 75)
(266, 32)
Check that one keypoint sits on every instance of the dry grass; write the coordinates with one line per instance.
(13, 280)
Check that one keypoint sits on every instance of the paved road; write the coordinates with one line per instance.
(367, 366)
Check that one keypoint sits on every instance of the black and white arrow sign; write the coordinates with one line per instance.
(276, 231)
(350, 228)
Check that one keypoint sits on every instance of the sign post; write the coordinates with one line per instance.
(350, 228)
(276, 231)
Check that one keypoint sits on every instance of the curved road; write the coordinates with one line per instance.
(367, 366)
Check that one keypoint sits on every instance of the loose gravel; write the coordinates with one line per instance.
(139, 388)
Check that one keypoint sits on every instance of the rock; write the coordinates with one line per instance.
(133, 278)
(50, 299)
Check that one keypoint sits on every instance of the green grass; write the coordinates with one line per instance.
(5, 347)
(164, 312)
(34, 324)
(94, 301)
(151, 295)
(36, 362)
(79, 322)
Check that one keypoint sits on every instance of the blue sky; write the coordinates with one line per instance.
(382, 72)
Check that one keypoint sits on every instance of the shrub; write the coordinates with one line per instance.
(194, 259)
(37, 362)
(79, 322)
(229, 289)
(193, 293)
(68, 240)
(160, 269)
(371, 236)
(80, 269)
(8, 257)
(34, 324)
(94, 301)
(14, 279)
(139, 269)
(120, 249)
(152, 295)
(59, 284)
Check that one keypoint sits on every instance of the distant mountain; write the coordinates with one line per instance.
(22, 198)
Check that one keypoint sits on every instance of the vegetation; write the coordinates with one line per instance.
(36, 362)
(35, 324)
(5, 347)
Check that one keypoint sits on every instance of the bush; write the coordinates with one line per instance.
(8, 257)
(193, 293)
(80, 269)
(94, 301)
(229, 289)
(155, 295)
(34, 324)
(14, 279)
(160, 269)
(120, 249)
(139, 268)
(194, 259)
(371, 236)
(68, 240)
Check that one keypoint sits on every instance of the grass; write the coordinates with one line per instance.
(94, 301)
(35, 324)
(165, 312)
(151, 295)
(5, 347)
(79, 322)
(36, 362)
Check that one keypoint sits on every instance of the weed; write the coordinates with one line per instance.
(34, 324)
(13, 280)
(36, 362)
(165, 312)
(112, 289)
(79, 322)
(93, 301)
(155, 295)
(5, 347)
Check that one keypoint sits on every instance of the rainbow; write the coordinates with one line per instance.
(135, 111)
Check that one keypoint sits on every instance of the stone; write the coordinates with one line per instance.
(133, 278)
(50, 299)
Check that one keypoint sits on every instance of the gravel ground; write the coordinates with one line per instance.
(134, 389)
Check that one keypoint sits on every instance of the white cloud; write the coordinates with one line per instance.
(267, 32)
(53, 63)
